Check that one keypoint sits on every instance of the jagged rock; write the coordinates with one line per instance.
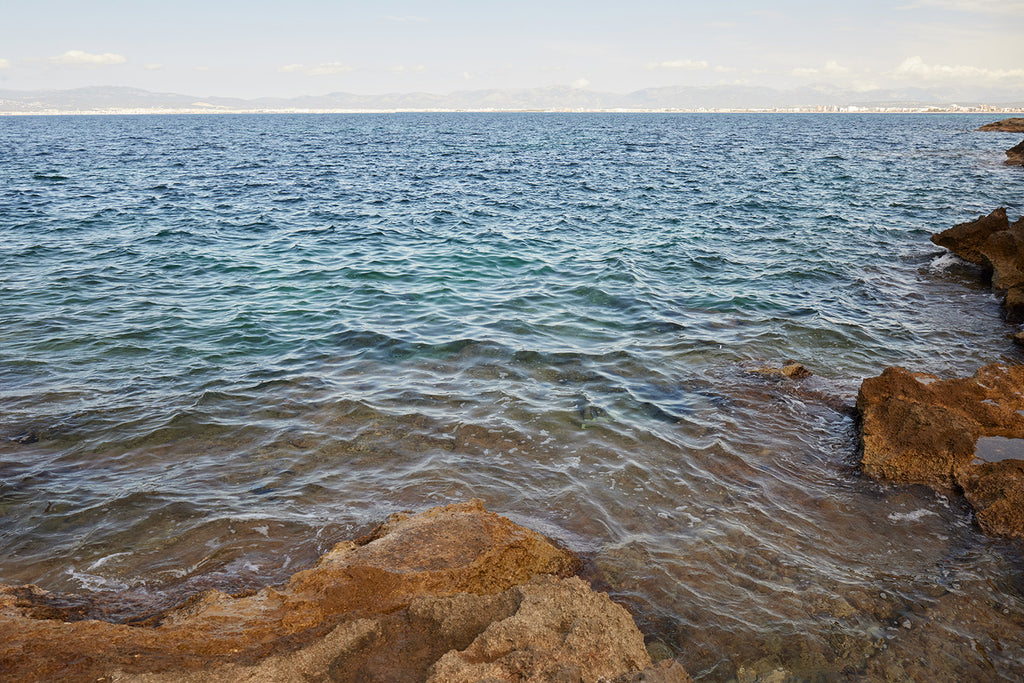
(996, 245)
(1013, 125)
(967, 239)
(957, 434)
(1015, 155)
(385, 607)
(561, 631)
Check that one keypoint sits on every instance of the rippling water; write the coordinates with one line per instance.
(229, 342)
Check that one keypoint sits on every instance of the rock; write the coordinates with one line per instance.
(791, 370)
(966, 239)
(998, 247)
(561, 631)
(1014, 125)
(958, 434)
(429, 590)
(1015, 155)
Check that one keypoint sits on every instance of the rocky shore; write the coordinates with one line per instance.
(452, 594)
(1011, 125)
(959, 435)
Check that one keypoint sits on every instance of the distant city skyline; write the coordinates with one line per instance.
(260, 49)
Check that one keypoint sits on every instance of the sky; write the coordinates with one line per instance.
(274, 49)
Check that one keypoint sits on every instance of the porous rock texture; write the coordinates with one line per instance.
(996, 245)
(406, 603)
(1013, 125)
(918, 429)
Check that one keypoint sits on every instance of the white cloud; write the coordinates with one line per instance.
(915, 68)
(403, 69)
(831, 69)
(87, 59)
(324, 69)
(153, 67)
(684, 64)
(5, 64)
(466, 76)
(973, 6)
(580, 83)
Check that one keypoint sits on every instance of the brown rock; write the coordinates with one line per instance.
(966, 239)
(790, 370)
(918, 429)
(1015, 155)
(1015, 125)
(561, 631)
(355, 593)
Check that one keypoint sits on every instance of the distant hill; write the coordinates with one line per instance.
(109, 99)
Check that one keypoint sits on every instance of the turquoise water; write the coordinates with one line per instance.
(227, 342)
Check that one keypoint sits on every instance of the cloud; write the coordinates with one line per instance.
(86, 59)
(324, 69)
(684, 64)
(972, 6)
(153, 67)
(403, 69)
(915, 68)
(580, 83)
(5, 64)
(832, 69)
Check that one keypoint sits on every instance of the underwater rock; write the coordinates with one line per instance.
(1012, 125)
(957, 434)
(1015, 155)
(996, 245)
(385, 607)
(790, 370)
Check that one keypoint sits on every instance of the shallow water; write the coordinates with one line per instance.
(228, 342)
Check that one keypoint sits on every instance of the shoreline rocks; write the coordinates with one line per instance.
(1011, 125)
(996, 245)
(449, 594)
(952, 435)
(1015, 155)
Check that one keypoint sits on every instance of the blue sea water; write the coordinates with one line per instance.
(227, 342)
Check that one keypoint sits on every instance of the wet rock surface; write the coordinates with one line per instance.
(1011, 125)
(996, 245)
(447, 594)
(918, 429)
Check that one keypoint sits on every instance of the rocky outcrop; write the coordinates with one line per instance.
(996, 245)
(1015, 155)
(441, 595)
(953, 435)
(1015, 125)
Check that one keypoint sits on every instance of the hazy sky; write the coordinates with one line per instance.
(256, 48)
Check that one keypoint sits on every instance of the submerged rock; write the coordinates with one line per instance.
(957, 434)
(404, 603)
(1012, 125)
(996, 245)
(1015, 155)
(790, 370)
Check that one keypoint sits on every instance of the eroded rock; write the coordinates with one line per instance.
(1015, 155)
(386, 607)
(996, 245)
(1012, 125)
(918, 429)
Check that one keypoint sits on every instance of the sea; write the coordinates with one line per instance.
(228, 342)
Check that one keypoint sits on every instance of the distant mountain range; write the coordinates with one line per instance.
(107, 99)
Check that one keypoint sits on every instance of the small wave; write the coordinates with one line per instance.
(945, 261)
(914, 516)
